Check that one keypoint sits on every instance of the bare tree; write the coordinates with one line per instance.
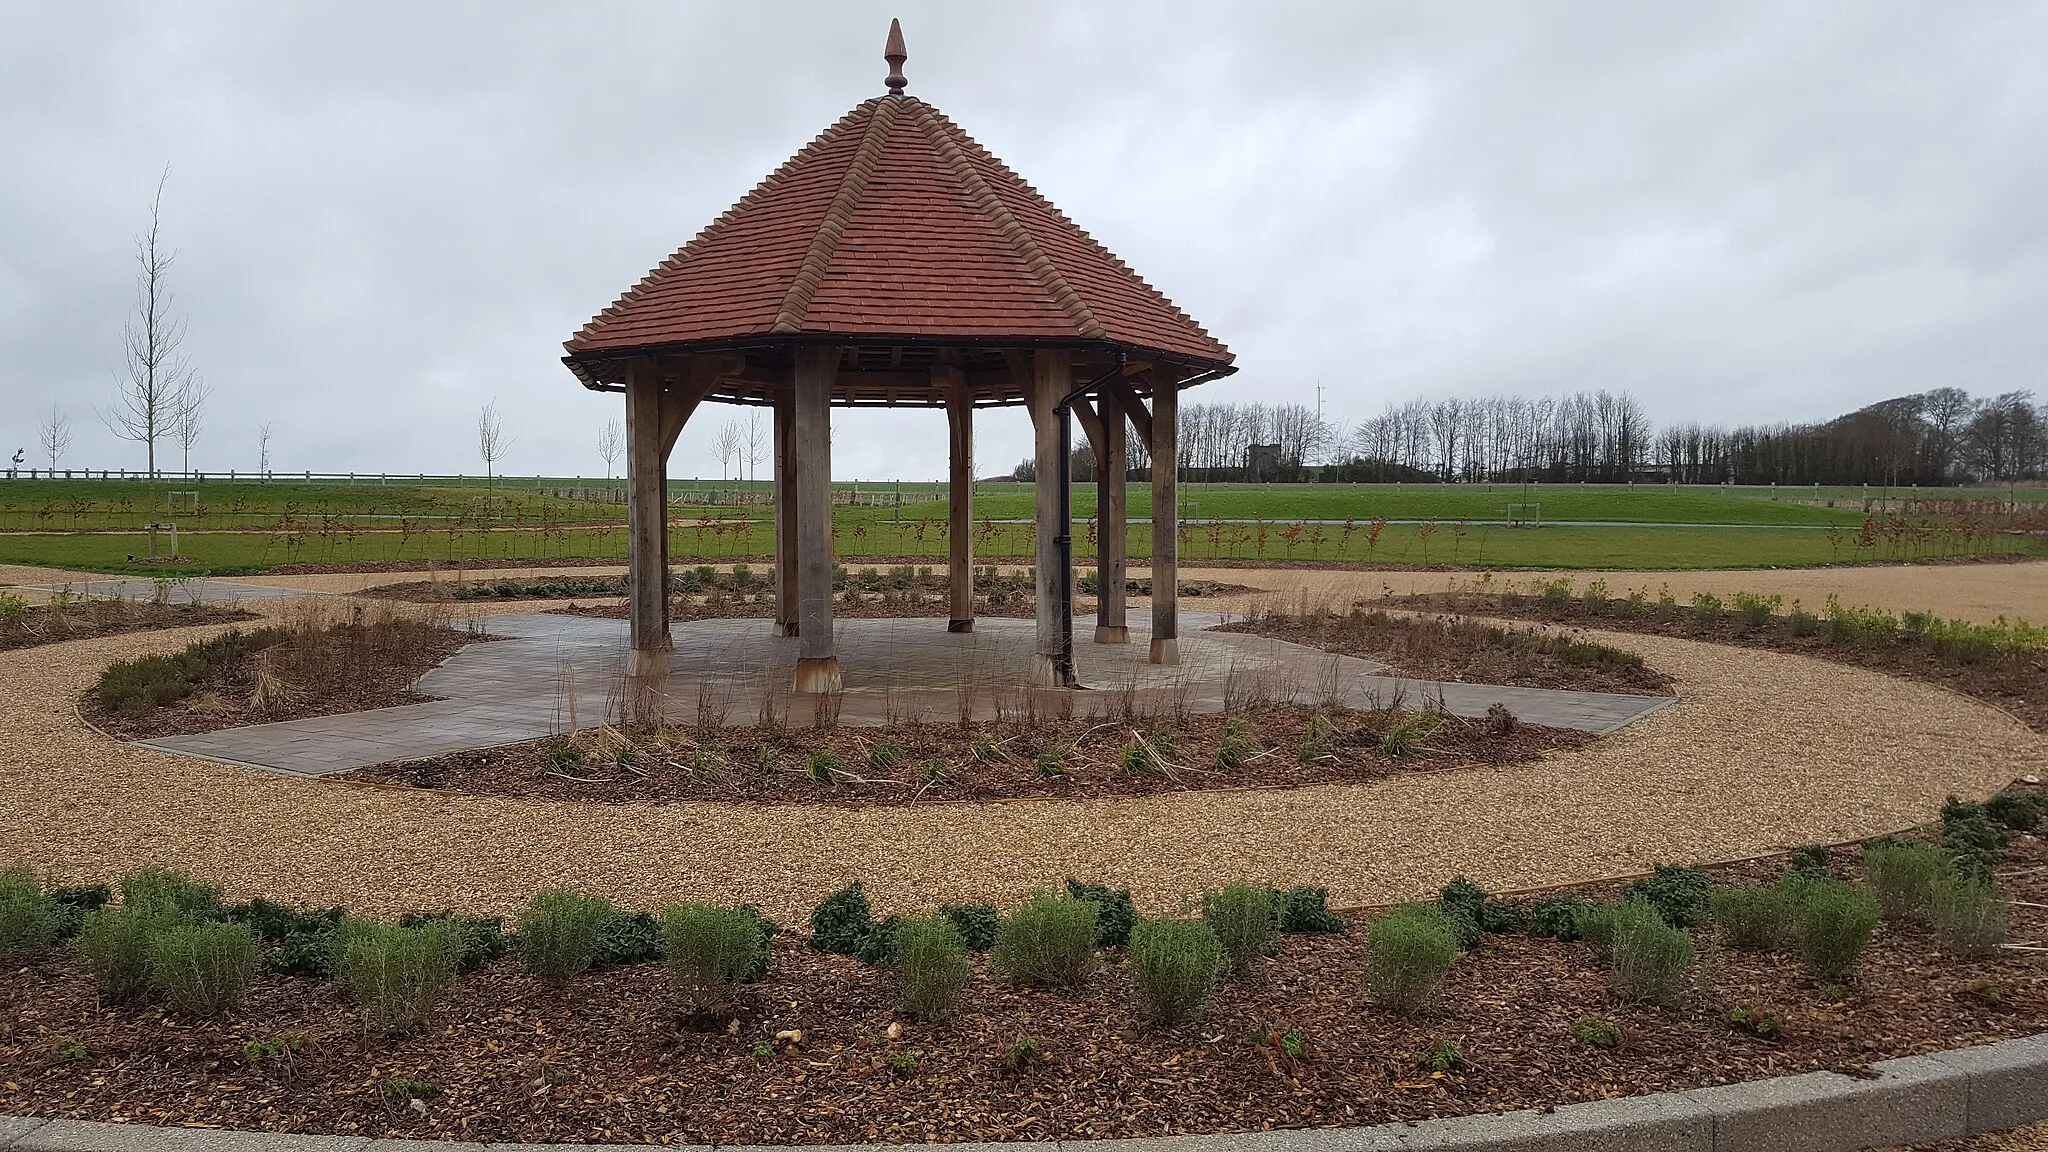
(189, 418)
(263, 449)
(756, 443)
(611, 444)
(147, 401)
(491, 442)
(729, 445)
(53, 434)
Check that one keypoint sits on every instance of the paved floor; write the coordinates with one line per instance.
(555, 672)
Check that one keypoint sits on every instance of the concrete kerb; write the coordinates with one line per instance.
(1911, 1100)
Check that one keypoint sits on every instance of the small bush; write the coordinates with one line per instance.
(1114, 913)
(1173, 966)
(1835, 922)
(931, 966)
(1902, 874)
(1755, 917)
(978, 924)
(1241, 916)
(397, 974)
(1048, 942)
(478, 939)
(1473, 910)
(1237, 744)
(115, 943)
(1320, 741)
(711, 948)
(1600, 923)
(1809, 858)
(841, 921)
(1598, 1032)
(560, 933)
(1678, 893)
(1968, 916)
(629, 938)
(1557, 918)
(1412, 949)
(1410, 736)
(1651, 961)
(29, 920)
(2019, 811)
(202, 967)
(1762, 1023)
(878, 947)
(172, 891)
(1971, 838)
(1304, 909)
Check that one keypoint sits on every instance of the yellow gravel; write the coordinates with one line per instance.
(1763, 751)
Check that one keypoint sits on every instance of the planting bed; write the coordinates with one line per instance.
(614, 1056)
(2013, 677)
(26, 626)
(928, 762)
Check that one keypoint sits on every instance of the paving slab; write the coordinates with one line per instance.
(2008, 1082)
(1915, 1100)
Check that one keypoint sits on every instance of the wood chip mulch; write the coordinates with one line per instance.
(613, 1057)
(86, 620)
(1045, 758)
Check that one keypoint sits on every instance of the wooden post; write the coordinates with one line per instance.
(1052, 378)
(785, 519)
(960, 511)
(1165, 517)
(1112, 533)
(817, 666)
(647, 523)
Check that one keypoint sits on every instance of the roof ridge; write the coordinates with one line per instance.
(852, 186)
(1013, 229)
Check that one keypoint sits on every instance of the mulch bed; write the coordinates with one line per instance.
(2017, 684)
(930, 762)
(614, 1057)
(1460, 651)
(89, 619)
(346, 683)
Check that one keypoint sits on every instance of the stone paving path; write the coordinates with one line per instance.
(555, 672)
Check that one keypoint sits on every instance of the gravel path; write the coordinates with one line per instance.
(1762, 751)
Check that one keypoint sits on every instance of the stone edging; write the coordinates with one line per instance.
(1911, 1100)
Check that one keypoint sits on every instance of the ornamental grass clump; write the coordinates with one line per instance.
(1173, 966)
(560, 933)
(396, 975)
(1835, 920)
(202, 967)
(1970, 917)
(29, 920)
(1411, 949)
(1755, 917)
(1902, 874)
(710, 948)
(1048, 942)
(1650, 960)
(1241, 916)
(931, 966)
(115, 943)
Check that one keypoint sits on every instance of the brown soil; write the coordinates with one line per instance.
(931, 762)
(2016, 683)
(1459, 650)
(48, 624)
(340, 677)
(613, 1058)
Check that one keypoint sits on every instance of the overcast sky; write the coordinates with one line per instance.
(389, 214)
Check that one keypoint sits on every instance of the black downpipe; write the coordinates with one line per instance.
(1065, 411)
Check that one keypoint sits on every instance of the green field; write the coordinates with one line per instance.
(95, 525)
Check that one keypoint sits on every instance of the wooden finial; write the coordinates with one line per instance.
(893, 52)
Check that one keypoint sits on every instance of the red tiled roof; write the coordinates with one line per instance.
(895, 223)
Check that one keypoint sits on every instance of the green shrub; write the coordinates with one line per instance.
(1678, 893)
(1472, 911)
(1836, 919)
(147, 682)
(1651, 960)
(842, 921)
(172, 891)
(397, 974)
(115, 943)
(1173, 966)
(1411, 735)
(1598, 1032)
(1049, 941)
(1756, 917)
(1706, 609)
(1902, 874)
(878, 947)
(2019, 811)
(931, 966)
(1600, 923)
(1320, 741)
(1412, 949)
(978, 924)
(1237, 744)
(560, 932)
(1557, 917)
(711, 947)
(629, 938)
(1114, 913)
(1304, 909)
(202, 967)
(1969, 916)
(1971, 838)
(478, 939)
(1241, 916)
(1809, 858)
(29, 920)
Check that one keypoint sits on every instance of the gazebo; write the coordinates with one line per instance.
(894, 262)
